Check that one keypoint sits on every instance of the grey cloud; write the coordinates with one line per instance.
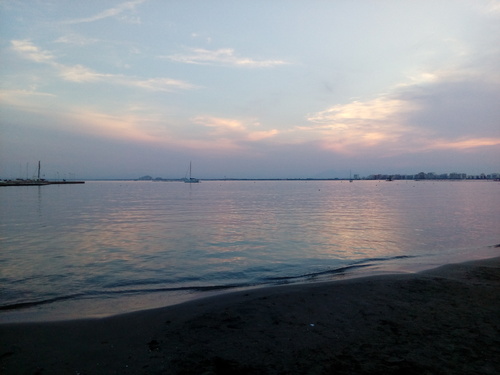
(458, 108)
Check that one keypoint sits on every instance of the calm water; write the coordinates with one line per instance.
(109, 247)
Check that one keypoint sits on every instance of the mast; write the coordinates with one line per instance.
(191, 179)
(38, 169)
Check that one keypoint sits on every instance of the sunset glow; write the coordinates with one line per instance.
(250, 89)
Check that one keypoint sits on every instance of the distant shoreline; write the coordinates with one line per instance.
(28, 182)
(283, 179)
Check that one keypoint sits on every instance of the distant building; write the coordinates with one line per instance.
(458, 176)
(432, 176)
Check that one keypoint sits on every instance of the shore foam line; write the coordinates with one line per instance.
(105, 303)
(443, 318)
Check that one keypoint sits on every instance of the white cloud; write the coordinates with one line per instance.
(160, 84)
(223, 56)
(81, 74)
(112, 12)
(452, 112)
(220, 124)
(491, 7)
(30, 98)
(372, 110)
(76, 39)
(32, 52)
(234, 130)
(351, 127)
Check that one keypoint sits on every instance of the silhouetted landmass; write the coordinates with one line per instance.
(388, 177)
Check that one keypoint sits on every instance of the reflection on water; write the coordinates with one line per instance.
(107, 238)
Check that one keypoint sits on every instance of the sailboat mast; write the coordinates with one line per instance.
(38, 169)
(191, 179)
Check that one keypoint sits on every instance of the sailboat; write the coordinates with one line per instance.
(191, 180)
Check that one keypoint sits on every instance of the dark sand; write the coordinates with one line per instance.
(442, 321)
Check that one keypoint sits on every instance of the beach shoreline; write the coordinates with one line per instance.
(90, 308)
(444, 320)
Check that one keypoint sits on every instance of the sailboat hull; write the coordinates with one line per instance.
(191, 180)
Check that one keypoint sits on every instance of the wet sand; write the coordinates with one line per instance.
(440, 321)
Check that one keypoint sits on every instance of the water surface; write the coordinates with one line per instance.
(109, 247)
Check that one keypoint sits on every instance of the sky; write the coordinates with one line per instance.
(248, 89)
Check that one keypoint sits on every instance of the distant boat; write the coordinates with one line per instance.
(26, 182)
(191, 180)
(36, 182)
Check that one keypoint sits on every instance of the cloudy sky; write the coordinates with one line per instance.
(261, 88)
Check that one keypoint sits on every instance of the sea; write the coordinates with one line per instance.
(109, 247)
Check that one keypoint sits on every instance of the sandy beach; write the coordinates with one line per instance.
(440, 321)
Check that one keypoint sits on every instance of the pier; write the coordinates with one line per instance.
(40, 182)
